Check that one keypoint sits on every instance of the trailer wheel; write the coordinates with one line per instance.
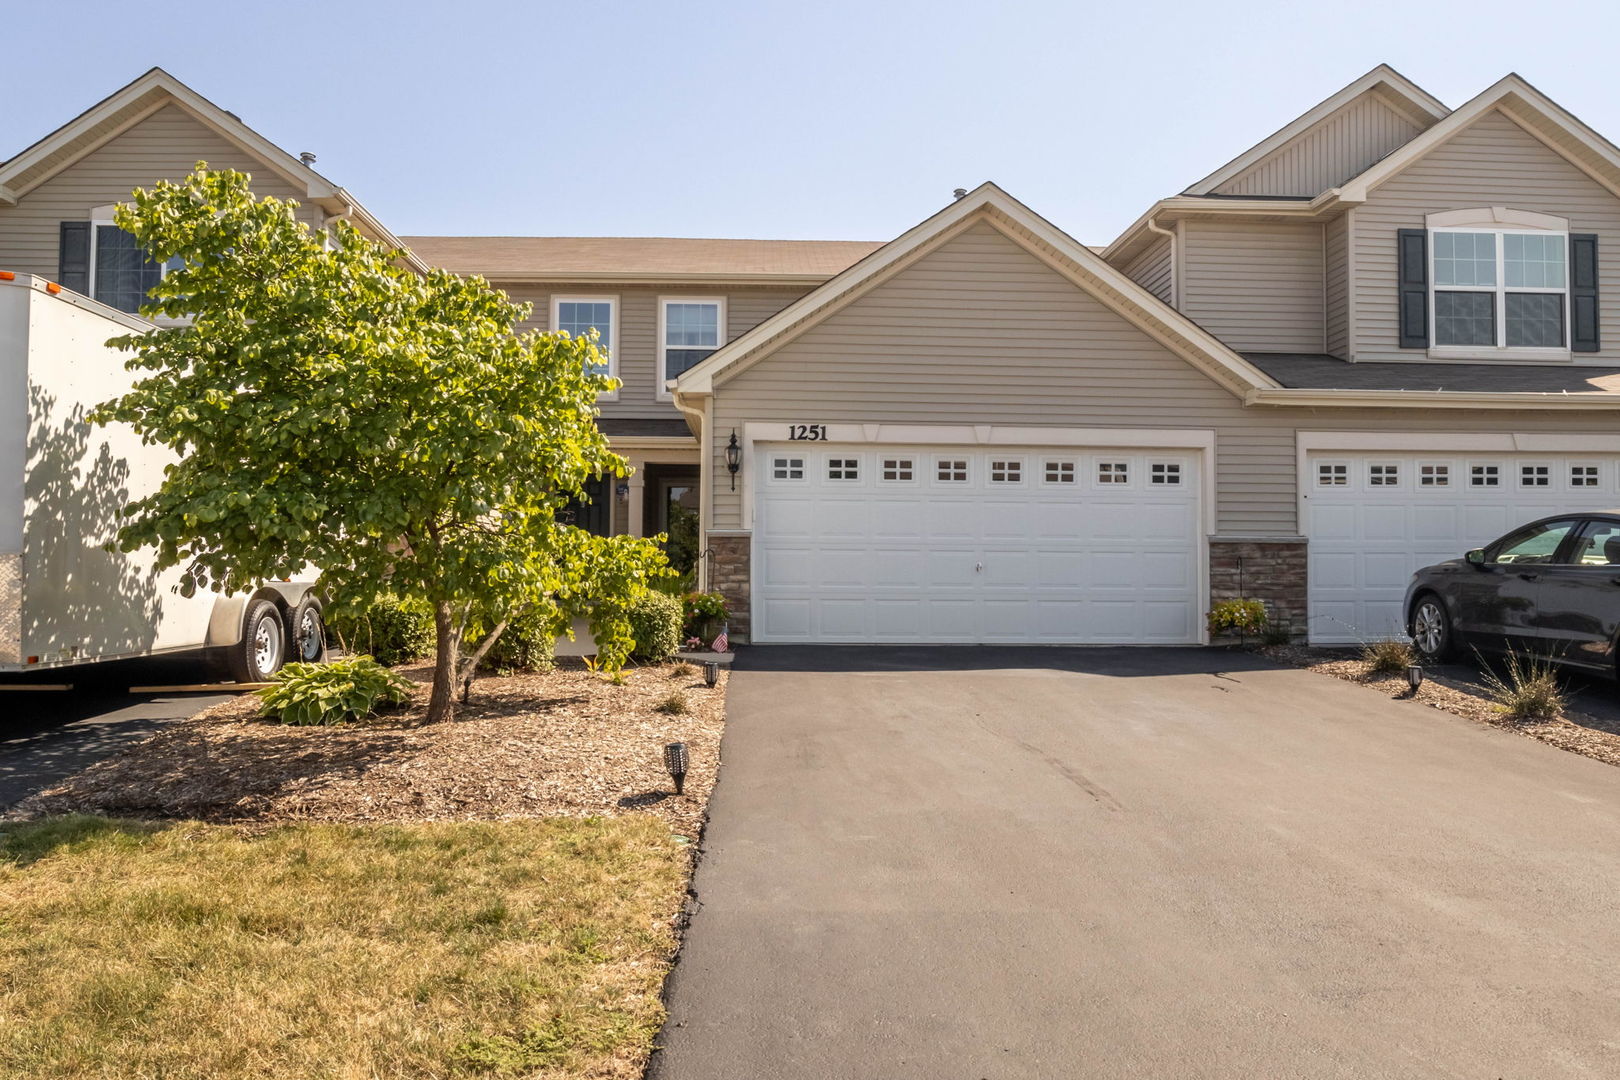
(263, 647)
(306, 631)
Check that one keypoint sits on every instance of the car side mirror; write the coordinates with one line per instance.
(1476, 558)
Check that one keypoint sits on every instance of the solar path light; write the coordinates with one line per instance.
(1414, 676)
(675, 760)
(711, 672)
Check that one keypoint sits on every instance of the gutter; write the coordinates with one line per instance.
(1563, 401)
(1154, 227)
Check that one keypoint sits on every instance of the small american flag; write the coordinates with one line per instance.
(721, 641)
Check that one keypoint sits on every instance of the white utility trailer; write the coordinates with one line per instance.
(65, 598)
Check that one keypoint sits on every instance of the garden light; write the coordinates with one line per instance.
(676, 760)
(1414, 676)
(711, 672)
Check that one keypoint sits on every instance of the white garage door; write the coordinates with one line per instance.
(1372, 519)
(927, 544)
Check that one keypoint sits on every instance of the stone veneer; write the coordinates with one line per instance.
(729, 576)
(1269, 569)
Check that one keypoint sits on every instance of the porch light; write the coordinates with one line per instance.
(1414, 676)
(676, 760)
(711, 672)
(733, 458)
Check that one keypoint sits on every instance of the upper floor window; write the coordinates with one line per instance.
(1500, 289)
(104, 262)
(579, 315)
(689, 329)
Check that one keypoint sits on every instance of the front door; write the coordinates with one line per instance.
(677, 511)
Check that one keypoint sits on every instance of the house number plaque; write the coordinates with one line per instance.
(807, 432)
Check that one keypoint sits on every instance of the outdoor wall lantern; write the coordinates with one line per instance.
(1414, 676)
(711, 672)
(676, 760)
(733, 458)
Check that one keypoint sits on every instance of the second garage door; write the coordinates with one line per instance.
(935, 544)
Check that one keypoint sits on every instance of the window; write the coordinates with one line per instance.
(689, 329)
(1536, 544)
(1383, 475)
(787, 468)
(1484, 476)
(951, 471)
(117, 271)
(1165, 473)
(1059, 472)
(1500, 289)
(843, 469)
(897, 469)
(579, 315)
(1112, 472)
(1583, 476)
(1006, 472)
(1598, 544)
(1434, 476)
(1534, 475)
(1332, 475)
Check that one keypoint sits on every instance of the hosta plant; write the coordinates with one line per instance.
(334, 693)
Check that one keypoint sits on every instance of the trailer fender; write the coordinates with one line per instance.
(225, 622)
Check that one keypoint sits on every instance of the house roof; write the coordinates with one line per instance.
(137, 100)
(1318, 372)
(989, 203)
(623, 258)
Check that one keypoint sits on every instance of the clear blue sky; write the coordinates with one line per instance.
(821, 119)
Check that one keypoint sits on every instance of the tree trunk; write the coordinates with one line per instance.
(446, 664)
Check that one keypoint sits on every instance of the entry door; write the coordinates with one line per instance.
(939, 544)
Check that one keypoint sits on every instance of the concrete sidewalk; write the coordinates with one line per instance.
(1009, 863)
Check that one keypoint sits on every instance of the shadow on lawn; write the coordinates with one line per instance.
(22, 844)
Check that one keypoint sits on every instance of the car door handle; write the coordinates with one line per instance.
(1529, 575)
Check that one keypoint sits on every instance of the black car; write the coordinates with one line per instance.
(1549, 589)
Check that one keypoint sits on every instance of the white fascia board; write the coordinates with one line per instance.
(1432, 399)
(1454, 442)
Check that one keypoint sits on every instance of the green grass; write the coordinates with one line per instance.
(194, 952)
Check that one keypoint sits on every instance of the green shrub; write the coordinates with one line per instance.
(655, 623)
(1237, 617)
(392, 631)
(527, 644)
(1530, 691)
(1387, 657)
(332, 693)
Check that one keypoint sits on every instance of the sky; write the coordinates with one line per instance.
(826, 119)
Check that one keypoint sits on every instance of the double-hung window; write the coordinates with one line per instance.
(104, 262)
(1500, 289)
(689, 329)
(579, 315)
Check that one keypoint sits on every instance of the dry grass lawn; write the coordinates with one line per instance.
(185, 951)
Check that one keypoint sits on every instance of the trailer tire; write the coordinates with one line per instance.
(306, 632)
(263, 647)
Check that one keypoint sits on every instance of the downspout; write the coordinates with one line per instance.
(1154, 227)
(694, 420)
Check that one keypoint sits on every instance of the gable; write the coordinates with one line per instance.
(977, 330)
(1339, 146)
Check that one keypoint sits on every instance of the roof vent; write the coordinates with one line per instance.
(960, 193)
(307, 158)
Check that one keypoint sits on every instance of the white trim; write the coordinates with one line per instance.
(1485, 354)
(1303, 398)
(1406, 442)
(660, 379)
(614, 344)
(1494, 218)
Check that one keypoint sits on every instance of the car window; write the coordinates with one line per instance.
(1537, 544)
(1598, 544)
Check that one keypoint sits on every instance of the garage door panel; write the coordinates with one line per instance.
(980, 560)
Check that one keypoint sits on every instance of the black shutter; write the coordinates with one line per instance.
(1583, 293)
(1414, 287)
(73, 263)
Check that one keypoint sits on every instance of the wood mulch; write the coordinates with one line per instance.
(1574, 731)
(566, 742)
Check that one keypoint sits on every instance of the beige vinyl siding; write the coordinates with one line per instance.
(1335, 285)
(1492, 162)
(164, 146)
(638, 331)
(1328, 154)
(1154, 269)
(981, 332)
(1255, 285)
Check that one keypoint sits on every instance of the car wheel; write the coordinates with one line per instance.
(1431, 628)
(259, 654)
(306, 632)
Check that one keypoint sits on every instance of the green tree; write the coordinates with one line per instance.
(332, 408)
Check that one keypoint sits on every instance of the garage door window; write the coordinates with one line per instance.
(1538, 476)
(898, 469)
(1433, 476)
(1113, 472)
(1006, 472)
(1485, 476)
(951, 471)
(1384, 475)
(787, 468)
(843, 469)
(1583, 476)
(1059, 472)
(1329, 475)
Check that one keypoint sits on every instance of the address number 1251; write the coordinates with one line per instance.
(807, 432)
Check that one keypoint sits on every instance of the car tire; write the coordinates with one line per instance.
(1432, 635)
(263, 647)
(306, 632)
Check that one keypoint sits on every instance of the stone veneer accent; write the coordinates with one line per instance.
(729, 576)
(1272, 569)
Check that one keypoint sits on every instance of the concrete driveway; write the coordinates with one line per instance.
(996, 863)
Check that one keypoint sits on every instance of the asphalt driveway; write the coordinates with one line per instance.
(966, 863)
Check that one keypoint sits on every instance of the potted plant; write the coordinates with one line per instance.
(705, 614)
(1239, 618)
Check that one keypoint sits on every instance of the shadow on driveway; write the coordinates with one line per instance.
(1115, 661)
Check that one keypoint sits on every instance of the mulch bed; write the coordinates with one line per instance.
(565, 742)
(1574, 731)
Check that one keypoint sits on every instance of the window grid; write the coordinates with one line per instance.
(783, 468)
(1383, 475)
(898, 469)
(1434, 475)
(843, 469)
(1484, 476)
(1006, 472)
(1059, 472)
(1583, 476)
(1113, 472)
(1535, 475)
(1499, 288)
(951, 470)
(1165, 473)
(1332, 475)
